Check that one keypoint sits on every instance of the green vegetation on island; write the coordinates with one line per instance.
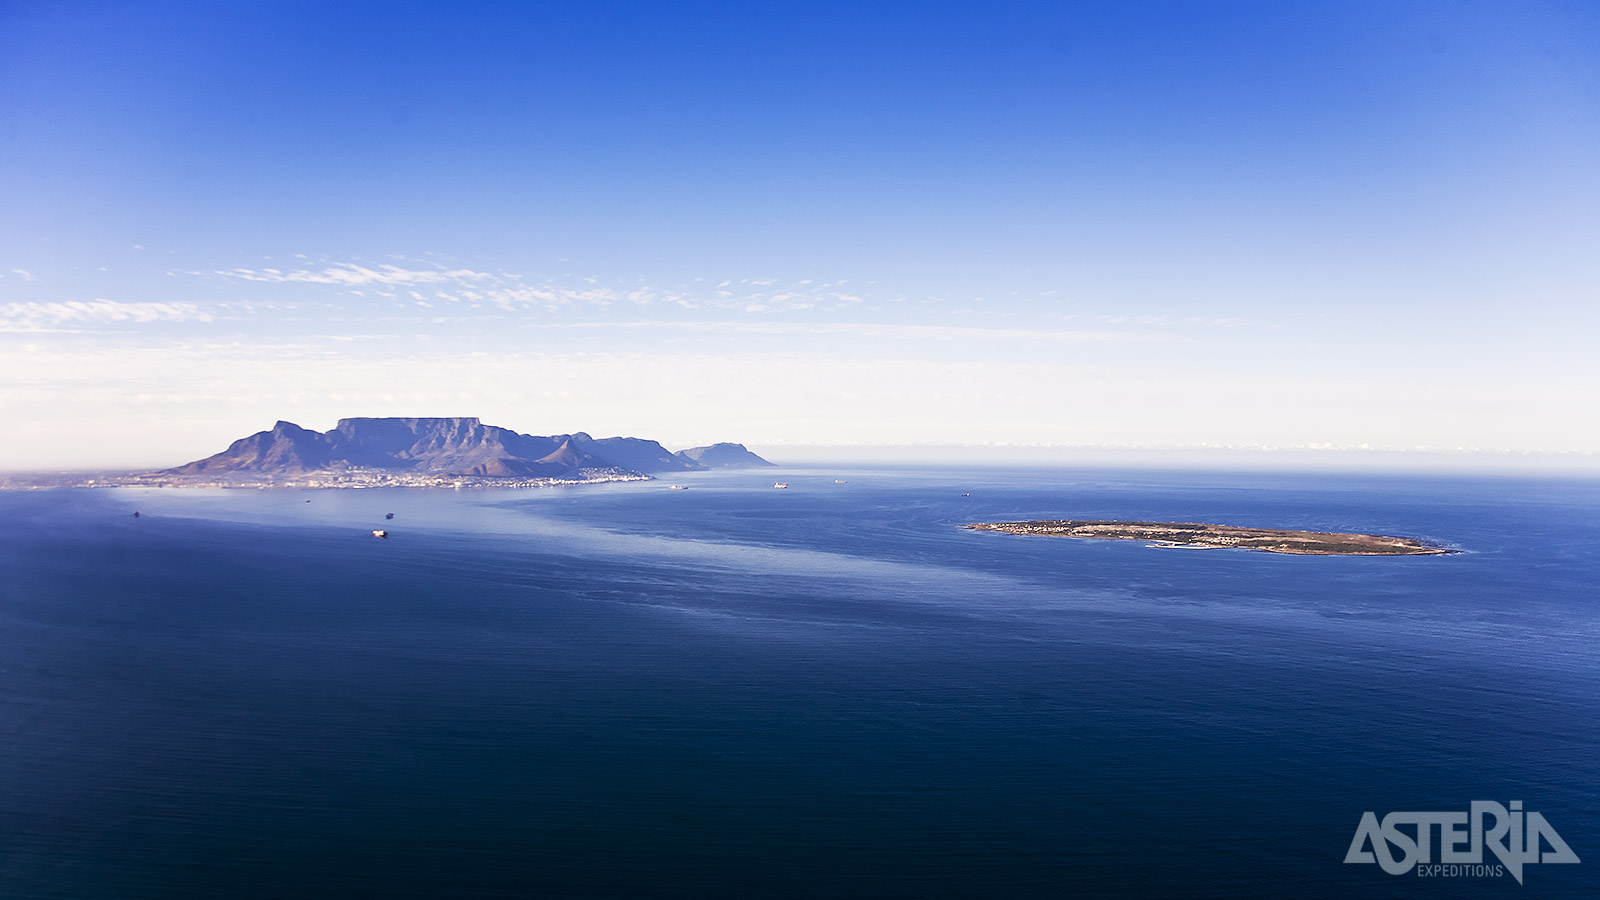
(1223, 537)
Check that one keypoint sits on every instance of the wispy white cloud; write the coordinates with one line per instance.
(511, 297)
(74, 314)
(353, 274)
(554, 297)
(512, 292)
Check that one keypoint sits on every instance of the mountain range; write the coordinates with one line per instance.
(453, 446)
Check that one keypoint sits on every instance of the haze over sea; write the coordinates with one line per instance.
(825, 691)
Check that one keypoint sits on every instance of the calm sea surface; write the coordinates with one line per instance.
(828, 691)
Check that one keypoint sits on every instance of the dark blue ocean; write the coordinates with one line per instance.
(829, 691)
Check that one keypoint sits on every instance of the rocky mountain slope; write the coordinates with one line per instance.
(453, 446)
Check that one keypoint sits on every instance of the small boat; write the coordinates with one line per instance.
(780, 485)
(965, 494)
(389, 516)
(136, 514)
(380, 533)
(678, 487)
(840, 481)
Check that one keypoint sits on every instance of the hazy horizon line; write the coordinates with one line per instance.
(1306, 458)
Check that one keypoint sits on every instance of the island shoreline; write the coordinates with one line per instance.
(1199, 535)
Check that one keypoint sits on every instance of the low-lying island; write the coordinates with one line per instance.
(1224, 537)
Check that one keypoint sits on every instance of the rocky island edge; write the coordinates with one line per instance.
(1223, 537)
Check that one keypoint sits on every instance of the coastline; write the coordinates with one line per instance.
(1202, 536)
(345, 480)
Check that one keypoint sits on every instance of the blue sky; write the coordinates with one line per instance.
(1158, 225)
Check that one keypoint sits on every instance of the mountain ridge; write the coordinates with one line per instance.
(453, 446)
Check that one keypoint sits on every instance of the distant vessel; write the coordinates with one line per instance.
(965, 494)
(781, 485)
(136, 514)
(380, 533)
(678, 487)
(840, 481)
(389, 516)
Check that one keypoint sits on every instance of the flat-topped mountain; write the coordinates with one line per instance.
(453, 446)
